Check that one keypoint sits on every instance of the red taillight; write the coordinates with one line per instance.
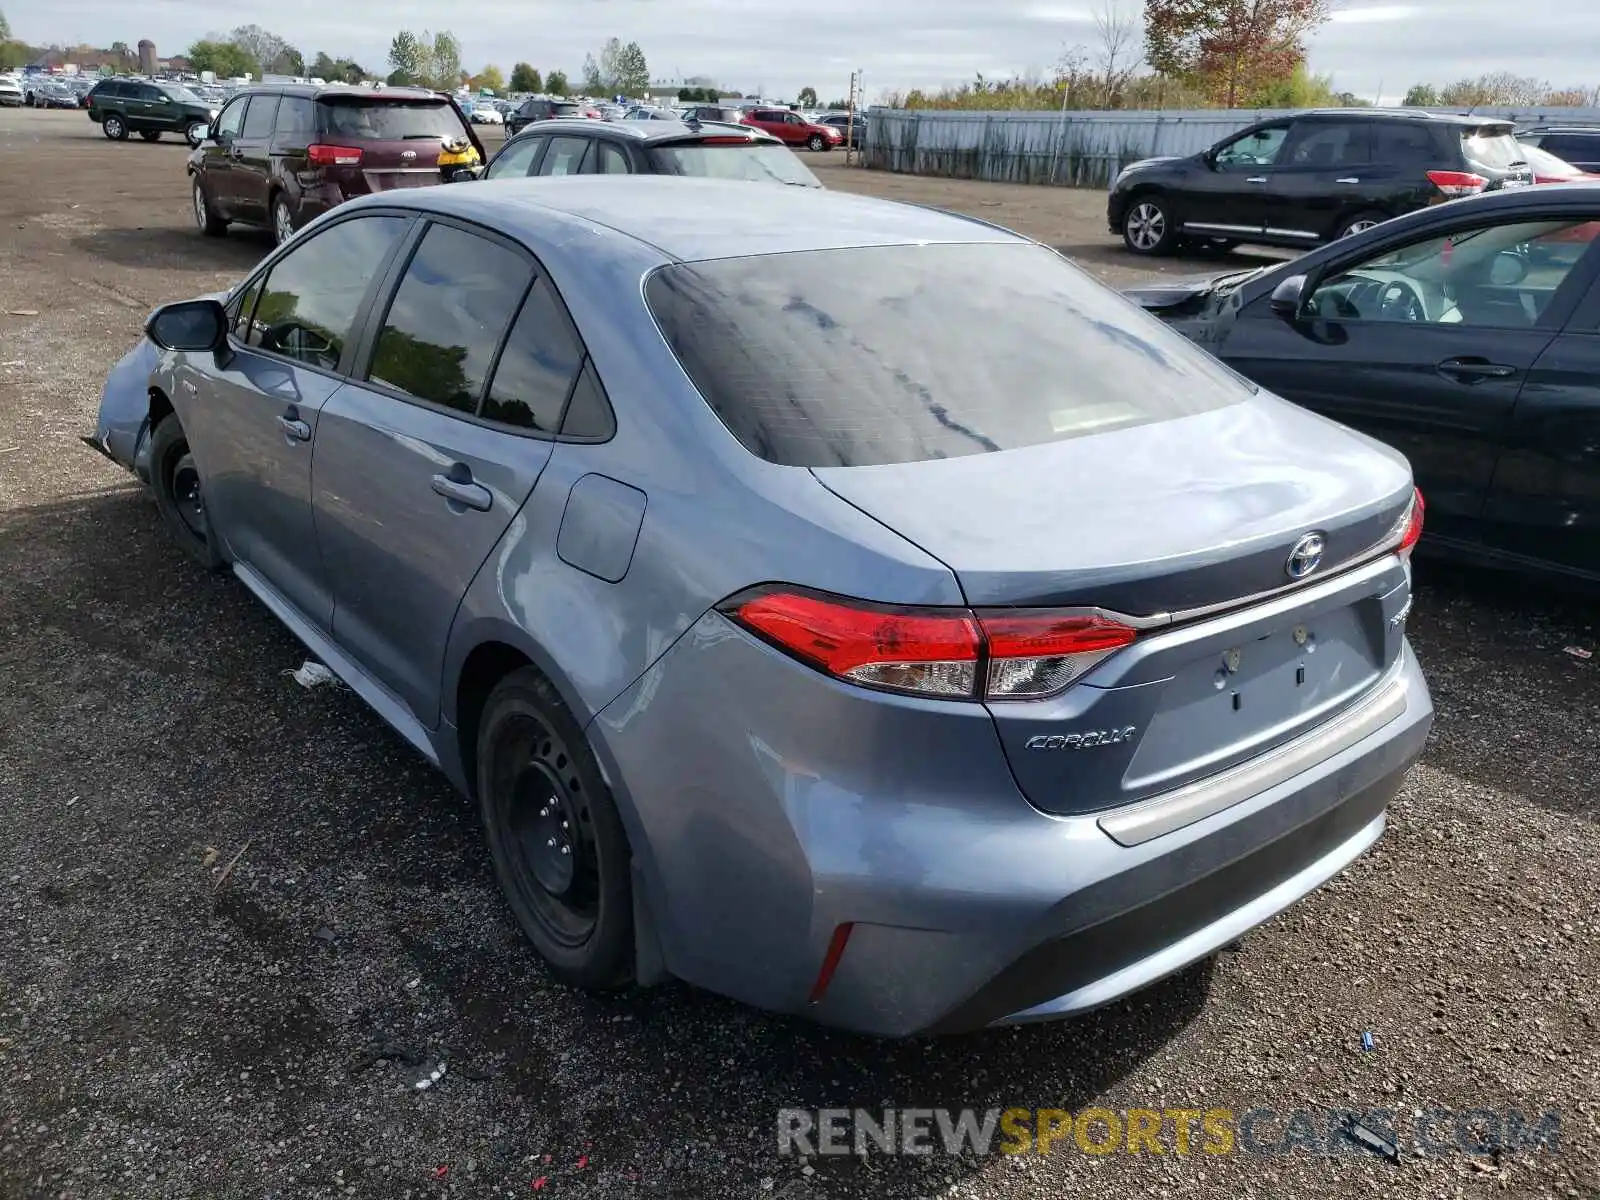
(1457, 183)
(726, 141)
(333, 156)
(1411, 522)
(953, 653)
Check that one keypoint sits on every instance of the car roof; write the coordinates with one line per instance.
(643, 132)
(317, 91)
(669, 213)
(1407, 114)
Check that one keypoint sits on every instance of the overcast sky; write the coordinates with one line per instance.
(1369, 47)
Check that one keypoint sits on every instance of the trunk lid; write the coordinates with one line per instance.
(1188, 524)
(400, 138)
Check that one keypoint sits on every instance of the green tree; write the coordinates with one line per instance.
(323, 67)
(226, 59)
(525, 79)
(490, 77)
(556, 83)
(632, 71)
(807, 97)
(444, 59)
(13, 54)
(688, 94)
(407, 58)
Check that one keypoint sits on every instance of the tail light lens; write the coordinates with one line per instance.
(1410, 524)
(1457, 183)
(950, 653)
(333, 156)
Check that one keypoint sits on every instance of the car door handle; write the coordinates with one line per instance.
(1256, 179)
(464, 491)
(1348, 179)
(1469, 370)
(293, 427)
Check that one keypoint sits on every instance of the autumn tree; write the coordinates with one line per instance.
(556, 83)
(491, 78)
(1235, 48)
(1495, 89)
(273, 52)
(525, 79)
(224, 59)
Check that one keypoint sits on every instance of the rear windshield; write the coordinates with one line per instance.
(1492, 146)
(896, 354)
(563, 110)
(754, 162)
(390, 120)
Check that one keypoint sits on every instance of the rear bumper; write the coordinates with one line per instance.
(768, 805)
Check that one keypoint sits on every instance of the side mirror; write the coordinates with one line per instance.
(192, 325)
(1289, 297)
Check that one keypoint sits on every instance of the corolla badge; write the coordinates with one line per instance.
(1306, 556)
(1087, 740)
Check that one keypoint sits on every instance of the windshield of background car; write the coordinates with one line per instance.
(181, 94)
(390, 120)
(1492, 146)
(754, 162)
(897, 354)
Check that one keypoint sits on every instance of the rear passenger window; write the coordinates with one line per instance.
(259, 116)
(588, 416)
(296, 117)
(448, 315)
(565, 156)
(612, 160)
(311, 296)
(536, 369)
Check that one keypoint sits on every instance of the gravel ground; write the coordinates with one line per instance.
(241, 919)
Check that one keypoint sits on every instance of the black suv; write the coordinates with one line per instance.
(530, 111)
(149, 108)
(1310, 178)
(1578, 145)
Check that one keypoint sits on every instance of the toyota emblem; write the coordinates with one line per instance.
(1305, 557)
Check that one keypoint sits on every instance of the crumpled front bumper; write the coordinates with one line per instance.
(122, 430)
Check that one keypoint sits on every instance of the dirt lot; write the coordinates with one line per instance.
(166, 1032)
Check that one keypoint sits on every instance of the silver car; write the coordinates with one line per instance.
(848, 607)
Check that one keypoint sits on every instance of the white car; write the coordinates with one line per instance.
(485, 114)
(10, 94)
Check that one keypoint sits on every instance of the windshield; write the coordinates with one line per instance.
(181, 94)
(753, 162)
(897, 354)
(1492, 146)
(391, 120)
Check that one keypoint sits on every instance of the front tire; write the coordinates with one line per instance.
(175, 477)
(1148, 228)
(557, 844)
(115, 128)
(816, 143)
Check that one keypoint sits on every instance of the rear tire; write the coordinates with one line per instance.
(150, 135)
(557, 844)
(205, 217)
(282, 219)
(114, 127)
(1361, 222)
(175, 477)
(1148, 228)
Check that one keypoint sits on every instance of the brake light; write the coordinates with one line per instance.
(1457, 183)
(949, 653)
(333, 156)
(1410, 524)
(726, 141)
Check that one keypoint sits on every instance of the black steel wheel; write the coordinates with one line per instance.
(557, 843)
(179, 494)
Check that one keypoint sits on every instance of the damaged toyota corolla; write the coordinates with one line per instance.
(847, 607)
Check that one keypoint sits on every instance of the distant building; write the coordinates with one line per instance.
(668, 89)
(147, 57)
(87, 59)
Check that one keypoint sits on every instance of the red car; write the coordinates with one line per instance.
(794, 129)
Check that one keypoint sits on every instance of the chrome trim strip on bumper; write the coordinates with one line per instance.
(1209, 938)
(1171, 811)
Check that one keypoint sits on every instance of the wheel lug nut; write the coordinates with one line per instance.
(551, 842)
(565, 850)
